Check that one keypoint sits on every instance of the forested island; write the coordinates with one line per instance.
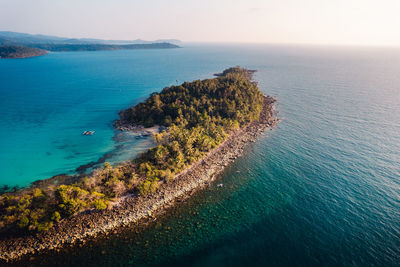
(203, 125)
(13, 51)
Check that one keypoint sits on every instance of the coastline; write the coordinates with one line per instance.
(26, 56)
(18, 51)
(132, 209)
(34, 50)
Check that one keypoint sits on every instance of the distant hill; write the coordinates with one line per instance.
(16, 38)
(122, 42)
(12, 38)
(20, 52)
(19, 45)
(97, 47)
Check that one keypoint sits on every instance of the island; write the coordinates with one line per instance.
(13, 51)
(22, 45)
(202, 126)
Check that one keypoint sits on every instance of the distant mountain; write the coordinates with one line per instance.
(10, 38)
(16, 38)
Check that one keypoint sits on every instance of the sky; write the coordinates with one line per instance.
(328, 22)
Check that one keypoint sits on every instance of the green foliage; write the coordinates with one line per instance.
(71, 199)
(148, 187)
(199, 115)
(231, 96)
(100, 204)
(167, 175)
(44, 226)
(23, 222)
(26, 211)
(56, 216)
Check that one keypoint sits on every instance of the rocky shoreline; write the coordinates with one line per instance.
(132, 209)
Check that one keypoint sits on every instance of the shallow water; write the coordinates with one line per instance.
(47, 102)
(321, 188)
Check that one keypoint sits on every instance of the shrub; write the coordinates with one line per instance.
(100, 204)
(56, 216)
(23, 222)
(148, 187)
(71, 199)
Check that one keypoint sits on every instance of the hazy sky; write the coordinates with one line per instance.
(359, 22)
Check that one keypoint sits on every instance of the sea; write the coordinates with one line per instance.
(320, 189)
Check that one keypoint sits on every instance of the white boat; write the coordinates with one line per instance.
(88, 133)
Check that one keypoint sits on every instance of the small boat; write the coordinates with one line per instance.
(220, 185)
(88, 133)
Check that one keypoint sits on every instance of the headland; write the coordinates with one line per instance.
(194, 146)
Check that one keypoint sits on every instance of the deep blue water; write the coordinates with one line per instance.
(322, 188)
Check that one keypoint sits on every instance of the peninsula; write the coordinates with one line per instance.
(204, 125)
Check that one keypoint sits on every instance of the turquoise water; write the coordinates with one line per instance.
(47, 102)
(322, 188)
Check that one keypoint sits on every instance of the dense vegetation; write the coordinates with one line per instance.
(199, 116)
(12, 51)
(32, 50)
